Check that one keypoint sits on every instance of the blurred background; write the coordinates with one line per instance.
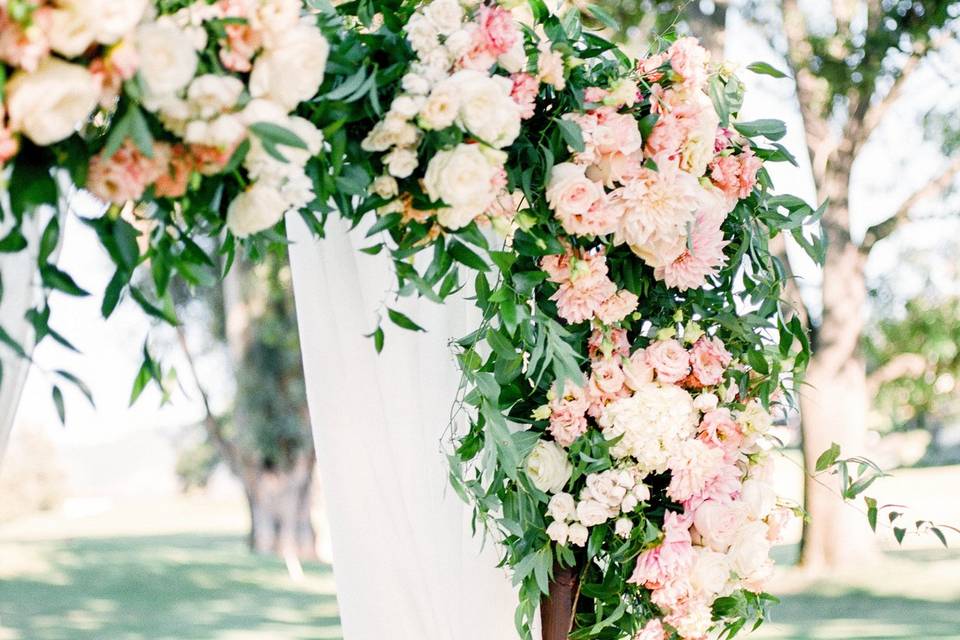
(199, 514)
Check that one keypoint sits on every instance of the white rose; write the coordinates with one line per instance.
(401, 162)
(547, 467)
(592, 512)
(561, 507)
(462, 177)
(710, 571)
(441, 108)
(49, 104)
(558, 532)
(706, 402)
(445, 15)
(70, 32)
(454, 218)
(718, 523)
(750, 549)
(754, 419)
(623, 527)
(486, 108)
(258, 208)
(578, 534)
(759, 497)
(168, 60)
(570, 192)
(211, 94)
(114, 19)
(293, 71)
(385, 186)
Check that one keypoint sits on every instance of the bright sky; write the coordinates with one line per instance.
(895, 163)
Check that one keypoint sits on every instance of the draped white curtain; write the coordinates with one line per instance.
(18, 272)
(405, 561)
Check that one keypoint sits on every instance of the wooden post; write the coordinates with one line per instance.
(557, 609)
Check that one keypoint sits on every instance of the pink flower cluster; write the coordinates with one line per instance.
(495, 34)
(735, 175)
(586, 291)
(125, 176)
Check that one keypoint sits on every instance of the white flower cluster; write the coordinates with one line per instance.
(285, 56)
(450, 85)
(609, 495)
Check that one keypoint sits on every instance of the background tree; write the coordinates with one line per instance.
(265, 438)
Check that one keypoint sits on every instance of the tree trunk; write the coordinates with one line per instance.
(834, 401)
(280, 510)
(557, 609)
(709, 27)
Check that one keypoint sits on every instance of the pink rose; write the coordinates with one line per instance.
(670, 360)
(572, 196)
(674, 557)
(719, 429)
(607, 376)
(718, 523)
(638, 370)
(710, 360)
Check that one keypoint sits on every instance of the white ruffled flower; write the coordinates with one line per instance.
(559, 532)
(422, 34)
(401, 162)
(445, 15)
(462, 178)
(415, 84)
(562, 507)
(49, 104)
(441, 108)
(211, 94)
(706, 402)
(405, 106)
(292, 71)
(385, 187)
(258, 208)
(548, 467)
(168, 60)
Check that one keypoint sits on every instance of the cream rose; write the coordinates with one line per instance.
(462, 177)
(113, 19)
(49, 104)
(547, 467)
(578, 534)
(710, 572)
(759, 497)
(70, 32)
(401, 162)
(558, 531)
(293, 71)
(562, 507)
(592, 512)
(570, 192)
(168, 60)
(486, 108)
(254, 210)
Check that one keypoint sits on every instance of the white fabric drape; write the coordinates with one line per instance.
(405, 562)
(18, 271)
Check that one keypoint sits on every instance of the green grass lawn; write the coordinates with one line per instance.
(117, 577)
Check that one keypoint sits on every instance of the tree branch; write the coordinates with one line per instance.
(901, 366)
(935, 187)
(211, 423)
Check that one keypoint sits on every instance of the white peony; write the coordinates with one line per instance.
(710, 572)
(258, 208)
(445, 15)
(562, 507)
(168, 60)
(486, 108)
(750, 549)
(293, 71)
(547, 467)
(462, 178)
(49, 104)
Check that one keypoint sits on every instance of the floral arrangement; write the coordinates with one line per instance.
(619, 392)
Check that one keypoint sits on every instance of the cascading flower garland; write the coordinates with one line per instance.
(619, 391)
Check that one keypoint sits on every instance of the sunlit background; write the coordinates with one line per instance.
(162, 520)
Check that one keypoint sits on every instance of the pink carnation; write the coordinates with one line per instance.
(606, 385)
(580, 297)
(710, 360)
(122, 177)
(524, 93)
(736, 175)
(567, 419)
(557, 267)
(174, 165)
(669, 359)
(498, 30)
(617, 307)
(242, 42)
(594, 94)
(689, 60)
(653, 630)
(608, 343)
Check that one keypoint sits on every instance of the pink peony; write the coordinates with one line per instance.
(524, 93)
(122, 177)
(674, 557)
(580, 297)
(691, 468)
(669, 359)
(710, 360)
(617, 307)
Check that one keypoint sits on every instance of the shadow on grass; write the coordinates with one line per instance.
(167, 587)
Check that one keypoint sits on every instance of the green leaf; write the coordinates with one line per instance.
(871, 511)
(899, 533)
(403, 321)
(768, 128)
(828, 457)
(608, 20)
(465, 255)
(766, 69)
(58, 403)
(49, 240)
(35, 186)
(572, 134)
(111, 296)
(378, 337)
(54, 278)
(269, 132)
(13, 242)
(140, 132)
